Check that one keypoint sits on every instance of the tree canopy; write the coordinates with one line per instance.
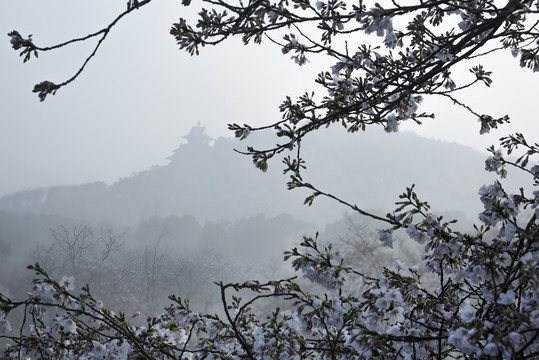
(484, 303)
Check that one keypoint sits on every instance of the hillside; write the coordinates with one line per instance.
(207, 179)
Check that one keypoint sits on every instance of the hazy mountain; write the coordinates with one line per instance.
(207, 179)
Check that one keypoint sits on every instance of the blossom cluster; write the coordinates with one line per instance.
(382, 81)
(27, 45)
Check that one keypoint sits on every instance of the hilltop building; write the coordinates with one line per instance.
(197, 140)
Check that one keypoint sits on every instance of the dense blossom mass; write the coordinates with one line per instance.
(473, 295)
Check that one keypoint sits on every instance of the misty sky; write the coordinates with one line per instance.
(140, 94)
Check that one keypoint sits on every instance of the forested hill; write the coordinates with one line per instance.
(207, 179)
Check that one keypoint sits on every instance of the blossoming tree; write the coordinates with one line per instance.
(485, 303)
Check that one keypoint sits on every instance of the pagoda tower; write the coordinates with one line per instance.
(197, 141)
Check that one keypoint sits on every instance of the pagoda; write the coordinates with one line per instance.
(197, 140)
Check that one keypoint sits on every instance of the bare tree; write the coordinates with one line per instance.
(153, 264)
(74, 245)
(110, 241)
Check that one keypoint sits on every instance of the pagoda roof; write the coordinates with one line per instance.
(197, 135)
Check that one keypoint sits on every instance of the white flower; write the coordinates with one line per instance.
(509, 208)
(534, 318)
(535, 171)
(392, 124)
(393, 295)
(395, 315)
(443, 55)
(382, 303)
(272, 15)
(294, 324)
(490, 349)
(99, 350)
(458, 337)
(495, 163)
(68, 282)
(386, 238)
(300, 60)
(260, 339)
(506, 259)
(489, 219)
(383, 283)
(123, 350)
(441, 250)
(399, 265)
(317, 303)
(211, 330)
(508, 231)
(45, 292)
(495, 190)
(380, 25)
(506, 298)
(5, 326)
(485, 127)
(467, 313)
(384, 25)
(391, 40)
(373, 321)
(180, 336)
(418, 235)
(67, 325)
(527, 259)
(515, 338)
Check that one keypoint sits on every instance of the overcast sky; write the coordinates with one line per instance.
(140, 94)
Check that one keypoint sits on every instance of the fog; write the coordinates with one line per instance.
(104, 163)
(209, 215)
(140, 94)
